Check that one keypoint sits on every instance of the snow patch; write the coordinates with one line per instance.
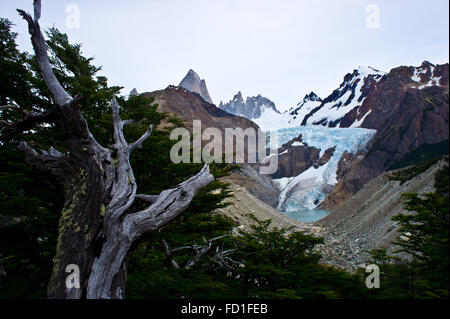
(297, 144)
(272, 121)
(358, 123)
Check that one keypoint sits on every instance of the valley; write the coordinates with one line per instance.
(282, 170)
(333, 153)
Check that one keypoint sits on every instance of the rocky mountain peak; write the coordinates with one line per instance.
(312, 97)
(192, 73)
(193, 83)
(238, 97)
(133, 92)
(426, 64)
(363, 72)
(251, 108)
(428, 74)
(366, 70)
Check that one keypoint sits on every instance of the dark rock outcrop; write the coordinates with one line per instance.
(294, 158)
(326, 156)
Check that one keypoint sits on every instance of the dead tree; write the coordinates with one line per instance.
(199, 250)
(96, 230)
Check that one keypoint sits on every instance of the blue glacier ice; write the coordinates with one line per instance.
(307, 190)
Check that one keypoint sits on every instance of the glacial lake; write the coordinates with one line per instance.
(307, 216)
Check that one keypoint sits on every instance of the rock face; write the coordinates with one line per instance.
(193, 83)
(252, 108)
(259, 186)
(326, 156)
(294, 158)
(409, 108)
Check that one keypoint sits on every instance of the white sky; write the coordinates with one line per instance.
(278, 48)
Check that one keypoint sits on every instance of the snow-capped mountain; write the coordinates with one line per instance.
(355, 99)
(349, 97)
(312, 110)
(407, 108)
(270, 120)
(265, 114)
(296, 114)
(252, 108)
(193, 83)
(352, 104)
(370, 122)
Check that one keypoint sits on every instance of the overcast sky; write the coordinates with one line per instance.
(277, 48)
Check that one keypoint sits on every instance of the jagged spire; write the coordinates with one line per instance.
(193, 83)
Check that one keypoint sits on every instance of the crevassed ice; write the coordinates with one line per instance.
(307, 190)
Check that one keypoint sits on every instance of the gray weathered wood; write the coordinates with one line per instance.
(96, 227)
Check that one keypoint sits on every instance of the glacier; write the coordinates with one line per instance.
(307, 190)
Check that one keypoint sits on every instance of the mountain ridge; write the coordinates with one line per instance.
(252, 108)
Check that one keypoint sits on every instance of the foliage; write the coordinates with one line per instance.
(31, 202)
(29, 206)
(408, 173)
(265, 263)
(426, 235)
(282, 263)
(15, 77)
(423, 154)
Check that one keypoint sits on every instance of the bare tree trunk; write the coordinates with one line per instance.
(96, 230)
(78, 230)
